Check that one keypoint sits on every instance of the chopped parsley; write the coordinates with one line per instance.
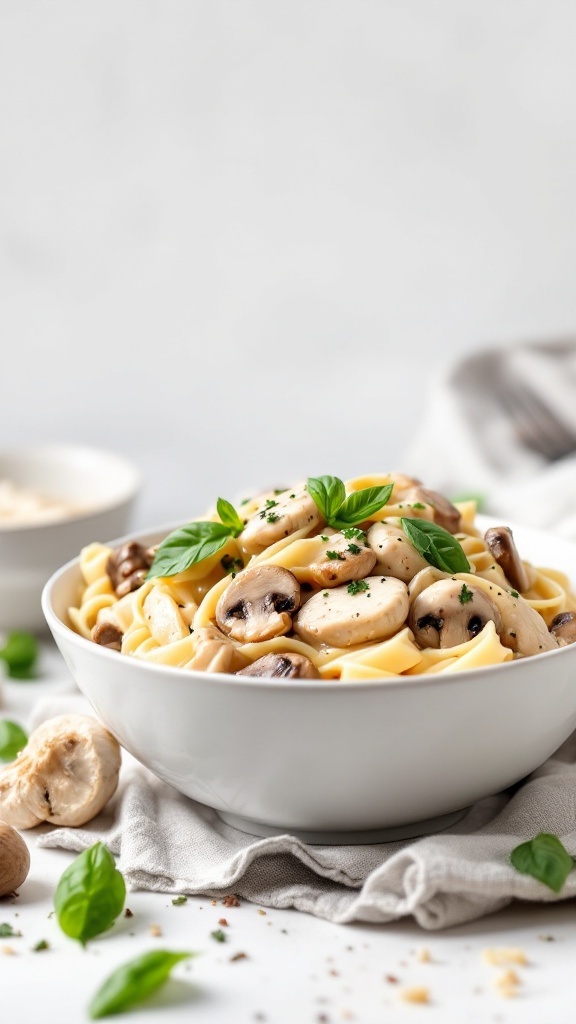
(354, 549)
(231, 565)
(265, 513)
(179, 901)
(218, 935)
(7, 932)
(292, 495)
(245, 501)
(353, 533)
(325, 593)
(357, 586)
(335, 556)
(322, 537)
(272, 517)
(40, 946)
(417, 504)
(465, 594)
(514, 593)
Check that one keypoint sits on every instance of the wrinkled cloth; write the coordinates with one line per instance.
(168, 843)
(469, 440)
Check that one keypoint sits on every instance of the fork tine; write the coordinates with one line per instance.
(537, 427)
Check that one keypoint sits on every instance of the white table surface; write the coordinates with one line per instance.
(297, 968)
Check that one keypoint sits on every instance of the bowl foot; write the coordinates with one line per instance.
(377, 835)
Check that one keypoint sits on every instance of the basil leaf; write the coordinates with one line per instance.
(361, 505)
(134, 981)
(20, 652)
(229, 516)
(13, 739)
(545, 858)
(90, 894)
(328, 492)
(436, 545)
(187, 546)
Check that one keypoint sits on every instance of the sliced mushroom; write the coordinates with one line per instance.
(280, 517)
(500, 543)
(395, 555)
(402, 485)
(370, 609)
(107, 634)
(281, 666)
(214, 652)
(343, 560)
(445, 514)
(259, 604)
(449, 613)
(127, 567)
(563, 627)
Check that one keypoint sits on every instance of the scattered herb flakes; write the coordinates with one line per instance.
(179, 901)
(417, 504)
(230, 901)
(514, 593)
(354, 549)
(272, 517)
(231, 565)
(325, 593)
(238, 956)
(8, 932)
(508, 983)
(270, 503)
(357, 587)
(415, 994)
(503, 956)
(245, 501)
(544, 858)
(325, 539)
(218, 935)
(465, 594)
(41, 945)
(335, 556)
(353, 533)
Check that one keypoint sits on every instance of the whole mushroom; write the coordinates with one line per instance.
(563, 627)
(14, 859)
(65, 775)
(258, 604)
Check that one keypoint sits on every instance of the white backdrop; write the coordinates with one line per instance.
(239, 240)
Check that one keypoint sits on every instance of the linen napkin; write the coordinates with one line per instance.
(482, 425)
(168, 843)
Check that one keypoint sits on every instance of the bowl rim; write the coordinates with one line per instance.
(132, 486)
(466, 676)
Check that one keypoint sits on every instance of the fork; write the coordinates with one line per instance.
(536, 426)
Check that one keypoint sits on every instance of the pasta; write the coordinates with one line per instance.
(375, 578)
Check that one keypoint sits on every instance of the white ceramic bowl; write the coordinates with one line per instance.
(103, 483)
(330, 761)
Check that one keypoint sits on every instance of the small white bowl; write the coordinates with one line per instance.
(101, 483)
(325, 760)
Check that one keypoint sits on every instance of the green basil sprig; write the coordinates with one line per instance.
(340, 511)
(195, 542)
(90, 894)
(437, 546)
(545, 858)
(134, 981)
(13, 739)
(20, 652)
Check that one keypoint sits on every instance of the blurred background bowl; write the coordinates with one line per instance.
(99, 486)
(326, 760)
